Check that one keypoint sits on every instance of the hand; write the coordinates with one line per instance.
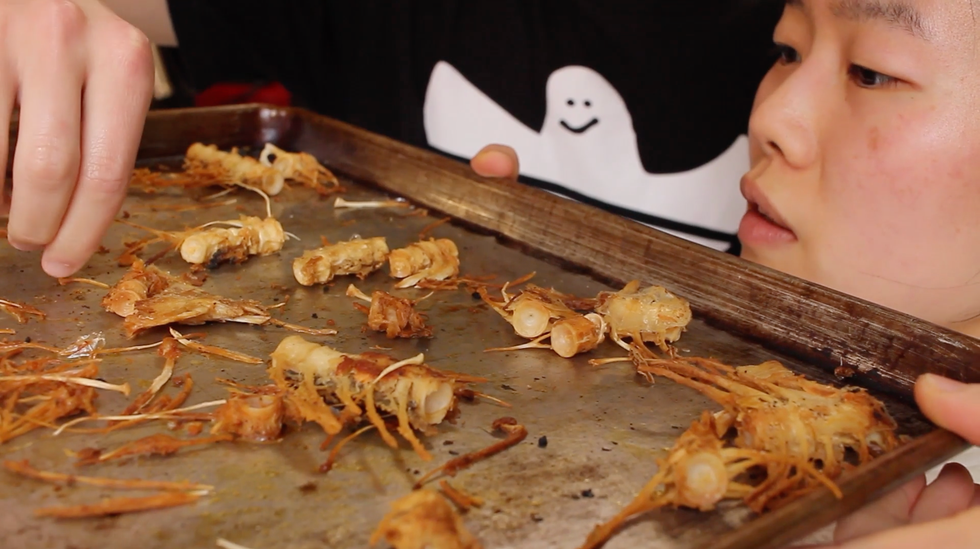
(496, 161)
(75, 151)
(945, 513)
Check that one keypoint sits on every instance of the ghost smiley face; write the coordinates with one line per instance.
(579, 116)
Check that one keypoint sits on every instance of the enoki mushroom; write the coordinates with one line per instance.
(365, 385)
(652, 314)
(394, 316)
(568, 337)
(424, 519)
(425, 260)
(515, 434)
(699, 471)
(357, 256)
(147, 297)
(301, 167)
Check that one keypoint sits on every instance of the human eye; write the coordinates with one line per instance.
(785, 54)
(868, 78)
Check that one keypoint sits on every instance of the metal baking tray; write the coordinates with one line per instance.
(605, 427)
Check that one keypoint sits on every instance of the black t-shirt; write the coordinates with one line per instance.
(637, 106)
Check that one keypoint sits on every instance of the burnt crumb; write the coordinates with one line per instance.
(326, 289)
(536, 517)
(588, 493)
(416, 472)
(314, 315)
(275, 298)
(453, 453)
(674, 427)
(447, 443)
(271, 157)
(606, 449)
(308, 488)
(508, 388)
(27, 339)
(476, 295)
(543, 442)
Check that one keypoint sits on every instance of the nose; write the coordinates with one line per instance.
(785, 120)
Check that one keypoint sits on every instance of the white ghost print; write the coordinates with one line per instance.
(587, 144)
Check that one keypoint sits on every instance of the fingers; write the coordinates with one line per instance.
(960, 530)
(950, 404)
(47, 155)
(950, 493)
(7, 94)
(891, 511)
(118, 93)
(496, 161)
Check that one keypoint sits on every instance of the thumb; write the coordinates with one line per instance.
(952, 405)
(496, 161)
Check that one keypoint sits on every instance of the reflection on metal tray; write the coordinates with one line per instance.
(604, 426)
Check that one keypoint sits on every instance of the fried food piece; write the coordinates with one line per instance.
(699, 471)
(395, 316)
(366, 384)
(148, 297)
(251, 417)
(577, 334)
(534, 310)
(359, 257)
(516, 433)
(118, 506)
(424, 520)
(137, 284)
(20, 311)
(301, 167)
(159, 444)
(652, 314)
(237, 168)
(38, 393)
(24, 468)
(775, 410)
(425, 260)
(249, 236)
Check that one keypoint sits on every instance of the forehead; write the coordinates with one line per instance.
(928, 20)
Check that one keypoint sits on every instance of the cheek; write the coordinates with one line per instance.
(908, 182)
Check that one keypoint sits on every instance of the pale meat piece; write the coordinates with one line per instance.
(424, 519)
(424, 261)
(249, 236)
(358, 257)
(652, 314)
(236, 168)
(366, 384)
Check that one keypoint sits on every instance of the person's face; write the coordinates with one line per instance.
(865, 147)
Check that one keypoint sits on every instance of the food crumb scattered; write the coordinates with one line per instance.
(308, 488)
(543, 442)
(588, 493)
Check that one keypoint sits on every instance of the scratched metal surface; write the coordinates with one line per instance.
(604, 427)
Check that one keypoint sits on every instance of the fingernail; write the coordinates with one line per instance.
(24, 247)
(945, 384)
(57, 269)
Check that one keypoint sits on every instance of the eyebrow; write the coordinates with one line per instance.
(896, 13)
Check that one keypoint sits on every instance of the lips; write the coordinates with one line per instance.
(762, 224)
